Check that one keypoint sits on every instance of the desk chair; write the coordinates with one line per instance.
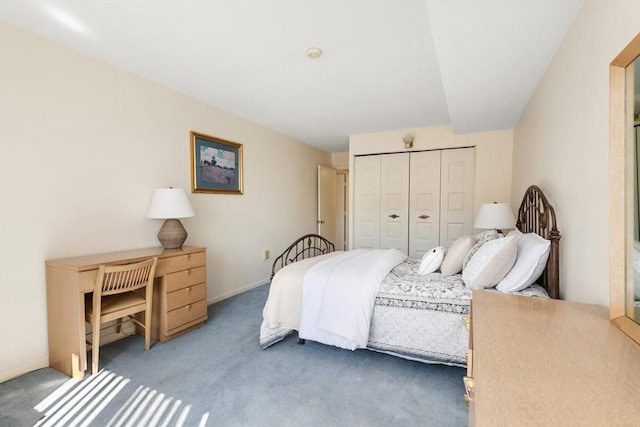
(120, 291)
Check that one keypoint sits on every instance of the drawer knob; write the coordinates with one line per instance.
(188, 290)
(189, 307)
(188, 273)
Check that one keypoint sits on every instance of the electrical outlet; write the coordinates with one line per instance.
(265, 254)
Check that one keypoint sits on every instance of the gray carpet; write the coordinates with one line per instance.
(220, 369)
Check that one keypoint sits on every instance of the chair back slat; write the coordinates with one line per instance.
(121, 279)
(124, 278)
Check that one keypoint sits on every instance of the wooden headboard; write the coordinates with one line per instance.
(536, 215)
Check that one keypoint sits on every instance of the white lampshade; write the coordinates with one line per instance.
(495, 215)
(170, 203)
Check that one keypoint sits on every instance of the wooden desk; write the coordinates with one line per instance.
(543, 362)
(179, 301)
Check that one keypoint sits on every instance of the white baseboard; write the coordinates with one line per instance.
(235, 292)
(8, 374)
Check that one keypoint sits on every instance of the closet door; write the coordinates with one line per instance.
(456, 187)
(424, 202)
(366, 200)
(394, 201)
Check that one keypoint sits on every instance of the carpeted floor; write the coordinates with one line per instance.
(221, 373)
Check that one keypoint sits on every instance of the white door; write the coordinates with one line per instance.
(366, 199)
(456, 200)
(424, 203)
(327, 202)
(342, 234)
(394, 201)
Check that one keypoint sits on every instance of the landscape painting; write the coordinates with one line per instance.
(216, 165)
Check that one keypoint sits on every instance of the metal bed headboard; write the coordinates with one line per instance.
(307, 246)
(536, 215)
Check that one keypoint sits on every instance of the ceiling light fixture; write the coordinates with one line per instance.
(408, 141)
(314, 52)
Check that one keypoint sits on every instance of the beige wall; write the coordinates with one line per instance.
(561, 143)
(493, 156)
(340, 160)
(82, 146)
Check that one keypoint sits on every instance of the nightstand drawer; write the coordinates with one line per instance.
(185, 278)
(180, 262)
(185, 296)
(185, 316)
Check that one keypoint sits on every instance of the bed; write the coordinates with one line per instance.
(395, 307)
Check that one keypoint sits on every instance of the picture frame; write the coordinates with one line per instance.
(216, 165)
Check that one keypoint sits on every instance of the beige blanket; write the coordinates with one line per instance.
(284, 303)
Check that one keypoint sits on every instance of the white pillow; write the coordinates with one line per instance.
(533, 253)
(481, 238)
(490, 263)
(431, 261)
(454, 256)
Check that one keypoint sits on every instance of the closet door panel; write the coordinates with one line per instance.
(457, 184)
(424, 202)
(413, 201)
(394, 201)
(366, 191)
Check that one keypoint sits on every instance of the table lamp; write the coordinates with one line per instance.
(495, 215)
(170, 204)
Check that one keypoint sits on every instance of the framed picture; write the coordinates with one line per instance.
(216, 165)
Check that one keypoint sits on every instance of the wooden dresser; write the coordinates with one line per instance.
(179, 299)
(180, 295)
(537, 362)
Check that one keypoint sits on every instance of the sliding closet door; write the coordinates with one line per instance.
(394, 201)
(413, 201)
(457, 183)
(424, 203)
(366, 200)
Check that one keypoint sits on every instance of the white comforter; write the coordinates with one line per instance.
(339, 293)
(284, 304)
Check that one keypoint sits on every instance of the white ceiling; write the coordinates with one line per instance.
(387, 65)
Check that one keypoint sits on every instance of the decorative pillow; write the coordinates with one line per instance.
(485, 236)
(455, 254)
(533, 253)
(490, 263)
(481, 238)
(431, 261)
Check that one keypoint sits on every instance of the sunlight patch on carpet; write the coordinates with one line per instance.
(80, 402)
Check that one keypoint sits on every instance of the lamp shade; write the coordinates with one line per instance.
(495, 215)
(170, 203)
